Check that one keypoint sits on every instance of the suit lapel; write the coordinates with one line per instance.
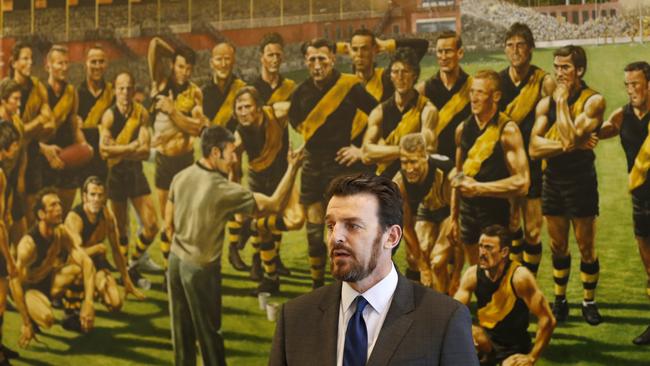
(396, 325)
(329, 324)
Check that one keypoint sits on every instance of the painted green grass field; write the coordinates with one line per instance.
(140, 334)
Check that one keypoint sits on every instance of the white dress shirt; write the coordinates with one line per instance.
(379, 298)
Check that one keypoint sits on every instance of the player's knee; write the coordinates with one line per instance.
(532, 235)
(295, 221)
(45, 320)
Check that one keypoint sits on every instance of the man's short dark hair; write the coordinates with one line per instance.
(187, 53)
(95, 46)
(8, 135)
(505, 239)
(93, 179)
(635, 66)
(365, 32)
(521, 30)
(271, 38)
(7, 87)
(317, 43)
(253, 92)
(125, 72)
(578, 56)
(38, 203)
(407, 56)
(385, 190)
(226, 41)
(450, 34)
(215, 136)
(15, 54)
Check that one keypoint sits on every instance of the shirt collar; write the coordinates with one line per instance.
(379, 296)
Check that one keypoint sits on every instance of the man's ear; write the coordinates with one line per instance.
(394, 236)
(580, 71)
(216, 152)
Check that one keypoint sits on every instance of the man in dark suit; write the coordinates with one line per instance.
(372, 315)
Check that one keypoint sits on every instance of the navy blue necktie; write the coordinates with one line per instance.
(356, 337)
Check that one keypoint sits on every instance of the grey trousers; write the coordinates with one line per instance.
(195, 309)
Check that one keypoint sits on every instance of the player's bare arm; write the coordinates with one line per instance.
(612, 127)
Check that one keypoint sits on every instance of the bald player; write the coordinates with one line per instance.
(218, 102)
(630, 122)
(523, 86)
(92, 221)
(124, 143)
(448, 90)
(177, 120)
(491, 165)
(95, 97)
(50, 264)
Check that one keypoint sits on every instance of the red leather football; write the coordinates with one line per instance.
(76, 155)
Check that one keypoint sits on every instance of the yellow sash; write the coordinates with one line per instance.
(528, 97)
(437, 197)
(327, 105)
(63, 108)
(484, 146)
(411, 122)
(20, 126)
(639, 171)
(225, 111)
(101, 105)
(375, 88)
(454, 105)
(272, 142)
(34, 101)
(283, 93)
(130, 128)
(502, 303)
(185, 101)
(574, 110)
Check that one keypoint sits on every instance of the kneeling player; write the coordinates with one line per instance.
(50, 264)
(93, 221)
(506, 292)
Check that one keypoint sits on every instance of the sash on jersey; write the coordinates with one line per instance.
(574, 110)
(436, 198)
(639, 172)
(375, 88)
(283, 93)
(130, 128)
(502, 302)
(20, 126)
(454, 105)
(34, 101)
(225, 111)
(484, 146)
(272, 142)
(528, 97)
(101, 105)
(185, 101)
(62, 109)
(328, 104)
(54, 258)
(411, 122)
